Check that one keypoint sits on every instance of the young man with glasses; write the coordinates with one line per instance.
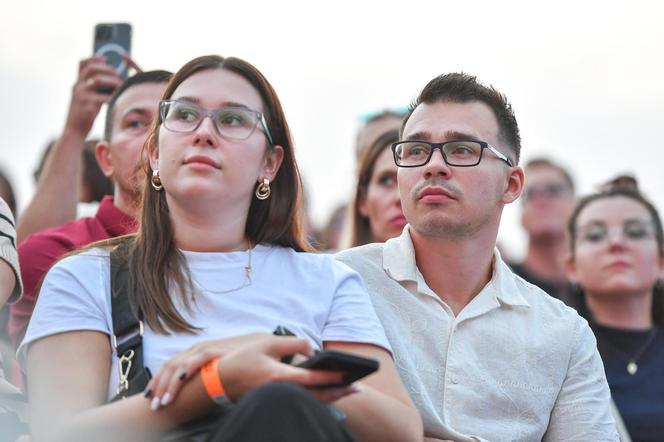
(547, 202)
(483, 354)
(131, 111)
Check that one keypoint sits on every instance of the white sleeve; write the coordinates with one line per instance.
(352, 317)
(582, 409)
(74, 296)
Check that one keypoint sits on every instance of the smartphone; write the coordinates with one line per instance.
(113, 40)
(353, 367)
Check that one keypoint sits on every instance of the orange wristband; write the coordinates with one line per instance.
(212, 380)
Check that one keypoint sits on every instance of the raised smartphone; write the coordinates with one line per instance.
(113, 40)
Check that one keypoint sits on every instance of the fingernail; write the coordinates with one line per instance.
(166, 399)
(183, 376)
(155, 403)
(355, 388)
(147, 392)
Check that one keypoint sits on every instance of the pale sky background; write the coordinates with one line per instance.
(584, 77)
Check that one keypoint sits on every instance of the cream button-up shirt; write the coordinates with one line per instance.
(515, 364)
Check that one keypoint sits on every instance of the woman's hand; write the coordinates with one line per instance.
(245, 362)
(167, 382)
(253, 365)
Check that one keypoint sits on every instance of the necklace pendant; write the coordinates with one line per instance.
(632, 368)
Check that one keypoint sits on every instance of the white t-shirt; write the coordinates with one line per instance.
(314, 296)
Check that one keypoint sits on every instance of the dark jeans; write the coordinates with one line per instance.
(280, 412)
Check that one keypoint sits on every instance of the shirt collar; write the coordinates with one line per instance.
(399, 263)
(399, 257)
(114, 220)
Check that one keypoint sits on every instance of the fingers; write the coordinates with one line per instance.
(279, 346)
(95, 74)
(130, 61)
(165, 386)
(94, 78)
(330, 395)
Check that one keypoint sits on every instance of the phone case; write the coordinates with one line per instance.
(113, 40)
(354, 367)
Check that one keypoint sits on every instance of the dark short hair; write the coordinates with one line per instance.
(157, 76)
(458, 87)
(545, 162)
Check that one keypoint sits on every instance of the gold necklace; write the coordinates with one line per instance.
(245, 283)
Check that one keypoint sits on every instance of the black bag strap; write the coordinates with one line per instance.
(127, 339)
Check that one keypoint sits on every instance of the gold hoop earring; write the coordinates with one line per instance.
(156, 181)
(263, 190)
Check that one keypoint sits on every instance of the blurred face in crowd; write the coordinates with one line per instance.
(547, 202)
(616, 251)
(380, 204)
(373, 129)
(204, 165)
(134, 112)
(456, 202)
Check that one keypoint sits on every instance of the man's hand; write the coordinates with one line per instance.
(93, 73)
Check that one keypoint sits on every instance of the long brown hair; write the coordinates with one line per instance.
(156, 264)
(360, 228)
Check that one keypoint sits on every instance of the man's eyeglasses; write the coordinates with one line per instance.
(237, 123)
(459, 153)
(551, 190)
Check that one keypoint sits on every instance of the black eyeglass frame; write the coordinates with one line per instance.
(434, 146)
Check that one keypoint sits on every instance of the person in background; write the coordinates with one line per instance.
(547, 201)
(56, 197)
(131, 110)
(616, 266)
(13, 409)
(217, 263)
(335, 234)
(377, 214)
(94, 184)
(9, 201)
(375, 124)
(7, 193)
(484, 354)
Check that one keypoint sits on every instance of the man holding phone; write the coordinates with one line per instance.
(56, 197)
(483, 354)
(131, 110)
(54, 202)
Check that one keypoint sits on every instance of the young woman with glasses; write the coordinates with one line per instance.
(616, 266)
(218, 262)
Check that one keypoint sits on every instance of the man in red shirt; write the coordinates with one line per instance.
(131, 110)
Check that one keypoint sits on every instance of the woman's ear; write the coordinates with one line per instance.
(273, 160)
(570, 269)
(362, 204)
(153, 156)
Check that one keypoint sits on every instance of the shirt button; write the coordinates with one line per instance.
(454, 379)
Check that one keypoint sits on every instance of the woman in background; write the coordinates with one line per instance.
(376, 210)
(616, 267)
